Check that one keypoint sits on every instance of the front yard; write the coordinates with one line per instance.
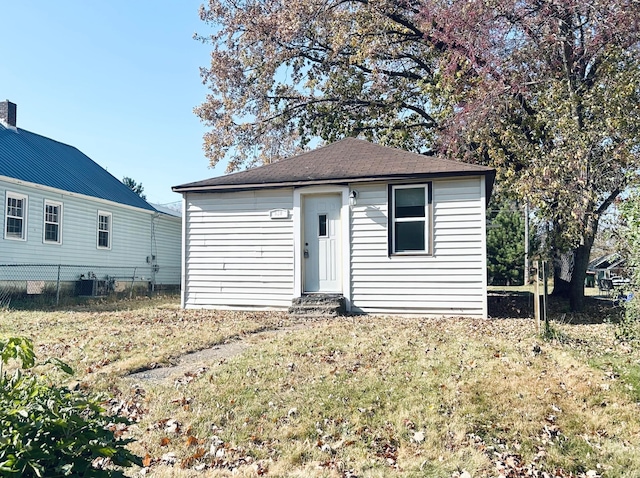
(356, 396)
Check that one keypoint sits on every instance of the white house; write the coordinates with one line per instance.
(61, 208)
(391, 231)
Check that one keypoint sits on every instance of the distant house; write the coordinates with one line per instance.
(391, 231)
(61, 208)
(607, 271)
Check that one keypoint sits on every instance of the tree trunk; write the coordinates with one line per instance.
(569, 273)
(561, 287)
(576, 261)
(562, 274)
(580, 264)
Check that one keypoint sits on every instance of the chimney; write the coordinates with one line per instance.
(8, 113)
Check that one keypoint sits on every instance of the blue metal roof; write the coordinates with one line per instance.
(33, 158)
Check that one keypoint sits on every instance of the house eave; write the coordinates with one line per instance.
(64, 192)
(221, 188)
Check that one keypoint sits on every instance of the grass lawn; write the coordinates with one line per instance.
(358, 397)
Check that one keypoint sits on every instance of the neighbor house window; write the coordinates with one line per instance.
(15, 223)
(52, 222)
(104, 230)
(410, 218)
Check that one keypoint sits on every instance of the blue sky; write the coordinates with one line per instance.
(116, 79)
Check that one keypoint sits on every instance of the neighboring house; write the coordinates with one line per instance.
(61, 208)
(392, 231)
(607, 271)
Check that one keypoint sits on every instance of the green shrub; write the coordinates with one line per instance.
(629, 327)
(51, 431)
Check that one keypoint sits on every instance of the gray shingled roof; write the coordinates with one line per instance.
(349, 160)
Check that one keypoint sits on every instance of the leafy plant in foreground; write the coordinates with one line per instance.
(51, 431)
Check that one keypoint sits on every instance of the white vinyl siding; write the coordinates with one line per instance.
(166, 246)
(52, 228)
(16, 212)
(448, 282)
(236, 255)
(131, 240)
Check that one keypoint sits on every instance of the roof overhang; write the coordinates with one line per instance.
(228, 188)
(64, 192)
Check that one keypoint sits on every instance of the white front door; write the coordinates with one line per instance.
(322, 243)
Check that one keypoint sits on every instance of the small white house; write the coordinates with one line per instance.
(61, 208)
(391, 231)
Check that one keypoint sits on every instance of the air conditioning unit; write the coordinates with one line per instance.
(91, 287)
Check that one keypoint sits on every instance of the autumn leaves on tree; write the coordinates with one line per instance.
(546, 91)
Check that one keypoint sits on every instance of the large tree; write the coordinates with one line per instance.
(548, 92)
(285, 72)
(544, 90)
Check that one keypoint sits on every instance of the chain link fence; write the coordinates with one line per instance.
(28, 285)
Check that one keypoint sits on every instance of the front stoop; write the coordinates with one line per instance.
(318, 305)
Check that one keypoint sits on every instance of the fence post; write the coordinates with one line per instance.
(58, 287)
(536, 296)
(133, 278)
(545, 296)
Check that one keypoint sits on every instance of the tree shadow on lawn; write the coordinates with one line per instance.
(519, 305)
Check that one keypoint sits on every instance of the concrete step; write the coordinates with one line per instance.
(315, 311)
(318, 305)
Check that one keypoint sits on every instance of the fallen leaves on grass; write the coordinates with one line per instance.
(189, 377)
(131, 407)
(510, 465)
(373, 394)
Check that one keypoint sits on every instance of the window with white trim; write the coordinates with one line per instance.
(104, 230)
(52, 222)
(15, 221)
(410, 219)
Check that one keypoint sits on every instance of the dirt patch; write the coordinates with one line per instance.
(196, 362)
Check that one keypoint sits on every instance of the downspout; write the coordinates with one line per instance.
(153, 257)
